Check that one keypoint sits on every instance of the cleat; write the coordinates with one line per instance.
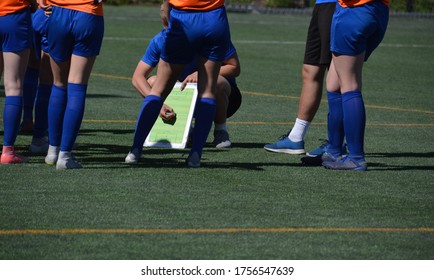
(39, 146)
(346, 163)
(52, 155)
(221, 139)
(321, 149)
(318, 151)
(67, 161)
(329, 157)
(133, 157)
(10, 157)
(193, 160)
(284, 145)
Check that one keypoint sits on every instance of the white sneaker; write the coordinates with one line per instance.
(67, 161)
(39, 146)
(221, 139)
(133, 157)
(52, 155)
(193, 161)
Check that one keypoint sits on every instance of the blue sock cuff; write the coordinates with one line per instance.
(351, 94)
(77, 87)
(210, 101)
(331, 95)
(14, 100)
(62, 89)
(153, 97)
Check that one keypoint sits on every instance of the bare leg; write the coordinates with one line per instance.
(311, 91)
(222, 99)
(15, 65)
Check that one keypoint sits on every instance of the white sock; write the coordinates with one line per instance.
(221, 126)
(299, 130)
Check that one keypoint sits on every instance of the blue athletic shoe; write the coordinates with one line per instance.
(326, 156)
(318, 151)
(346, 163)
(284, 145)
(321, 149)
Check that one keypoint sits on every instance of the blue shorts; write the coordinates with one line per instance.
(40, 22)
(16, 31)
(73, 32)
(359, 29)
(192, 33)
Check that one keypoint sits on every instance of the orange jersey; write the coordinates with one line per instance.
(355, 3)
(86, 6)
(198, 5)
(12, 6)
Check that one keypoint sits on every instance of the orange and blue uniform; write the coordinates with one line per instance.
(358, 27)
(201, 19)
(15, 25)
(16, 37)
(86, 6)
(76, 27)
(11, 6)
(196, 28)
(355, 3)
(203, 5)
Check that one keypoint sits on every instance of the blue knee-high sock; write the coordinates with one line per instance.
(56, 112)
(354, 123)
(11, 118)
(41, 111)
(205, 111)
(335, 126)
(30, 86)
(73, 115)
(148, 114)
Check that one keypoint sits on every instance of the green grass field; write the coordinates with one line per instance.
(243, 203)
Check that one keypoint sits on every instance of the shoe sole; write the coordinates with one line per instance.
(358, 168)
(286, 151)
(50, 162)
(223, 145)
(14, 162)
(314, 155)
(348, 169)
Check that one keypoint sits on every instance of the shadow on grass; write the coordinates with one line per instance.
(378, 166)
(112, 156)
(394, 167)
(93, 132)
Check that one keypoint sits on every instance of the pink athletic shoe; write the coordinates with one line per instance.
(10, 157)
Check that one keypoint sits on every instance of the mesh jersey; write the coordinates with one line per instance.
(12, 6)
(199, 5)
(86, 6)
(355, 3)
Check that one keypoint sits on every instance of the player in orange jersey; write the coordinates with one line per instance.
(188, 23)
(358, 27)
(76, 29)
(15, 44)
